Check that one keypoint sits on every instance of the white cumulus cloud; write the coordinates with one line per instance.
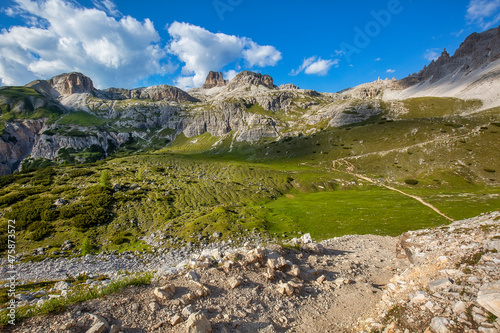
(63, 36)
(202, 51)
(391, 71)
(230, 74)
(315, 66)
(432, 54)
(107, 6)
(484, 13)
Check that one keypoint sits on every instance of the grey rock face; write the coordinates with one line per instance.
(250, 78)
(64, 84)
(47, 146)
(16, 143)
(155, 93)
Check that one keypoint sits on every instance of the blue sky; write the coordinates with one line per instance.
(318, 44)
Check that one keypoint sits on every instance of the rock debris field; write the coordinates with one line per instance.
(445, 279)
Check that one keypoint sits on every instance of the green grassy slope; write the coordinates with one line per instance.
(203, 184)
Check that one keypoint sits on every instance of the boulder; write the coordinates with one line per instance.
(192, 275)
(187, 311)
(198, 323)
(97, 328)
(489, 297)
(154, 306)
(294, 271)
(165, 292)
(233, 282)
(62, 285)
(440, 325)
(306, 239)
(493, 245)
(175, 320)
(289, 288)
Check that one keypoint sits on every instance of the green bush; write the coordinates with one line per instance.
(99, 197)
(28, 212)
(11, 198)
(70, 211)
(80, 173)
(87, 246)
(39, 230)
(92, 218)
(489, 170)
(40, 163)
(411, 181)
(6, 180)
(50, 215)
(3, 242)
(105, 179)
(119, 240)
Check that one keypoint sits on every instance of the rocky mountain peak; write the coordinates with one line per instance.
(214, 79)
(72, 83)
(445, 56)
(288, 86)
(250, 78)
(477, 50)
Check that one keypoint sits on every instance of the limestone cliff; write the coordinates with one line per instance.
(155, 93)
(16, 143)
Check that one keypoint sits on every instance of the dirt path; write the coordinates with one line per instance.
(354, 271)
(350, 171)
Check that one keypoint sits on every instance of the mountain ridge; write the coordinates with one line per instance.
(249, 108)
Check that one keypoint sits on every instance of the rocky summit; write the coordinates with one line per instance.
(250, 107)
(214, 79)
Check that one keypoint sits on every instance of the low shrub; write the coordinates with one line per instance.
(3, 242)
(11, 198)
(25, 213)
(91, 218)
(50, 215)
(80, 173)
(99, 197)
(411, 181)
(119, 240)
(39, 230)
(70, 211)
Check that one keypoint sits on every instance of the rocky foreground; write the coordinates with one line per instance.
(436, 280)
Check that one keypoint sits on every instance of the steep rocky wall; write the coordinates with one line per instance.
(16, 143)
(47, 146)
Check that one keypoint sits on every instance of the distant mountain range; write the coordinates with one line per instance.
(66, 119)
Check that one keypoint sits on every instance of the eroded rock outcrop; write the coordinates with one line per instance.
(214, 79)
(16, 143)
(250, 78)
(155, 93)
